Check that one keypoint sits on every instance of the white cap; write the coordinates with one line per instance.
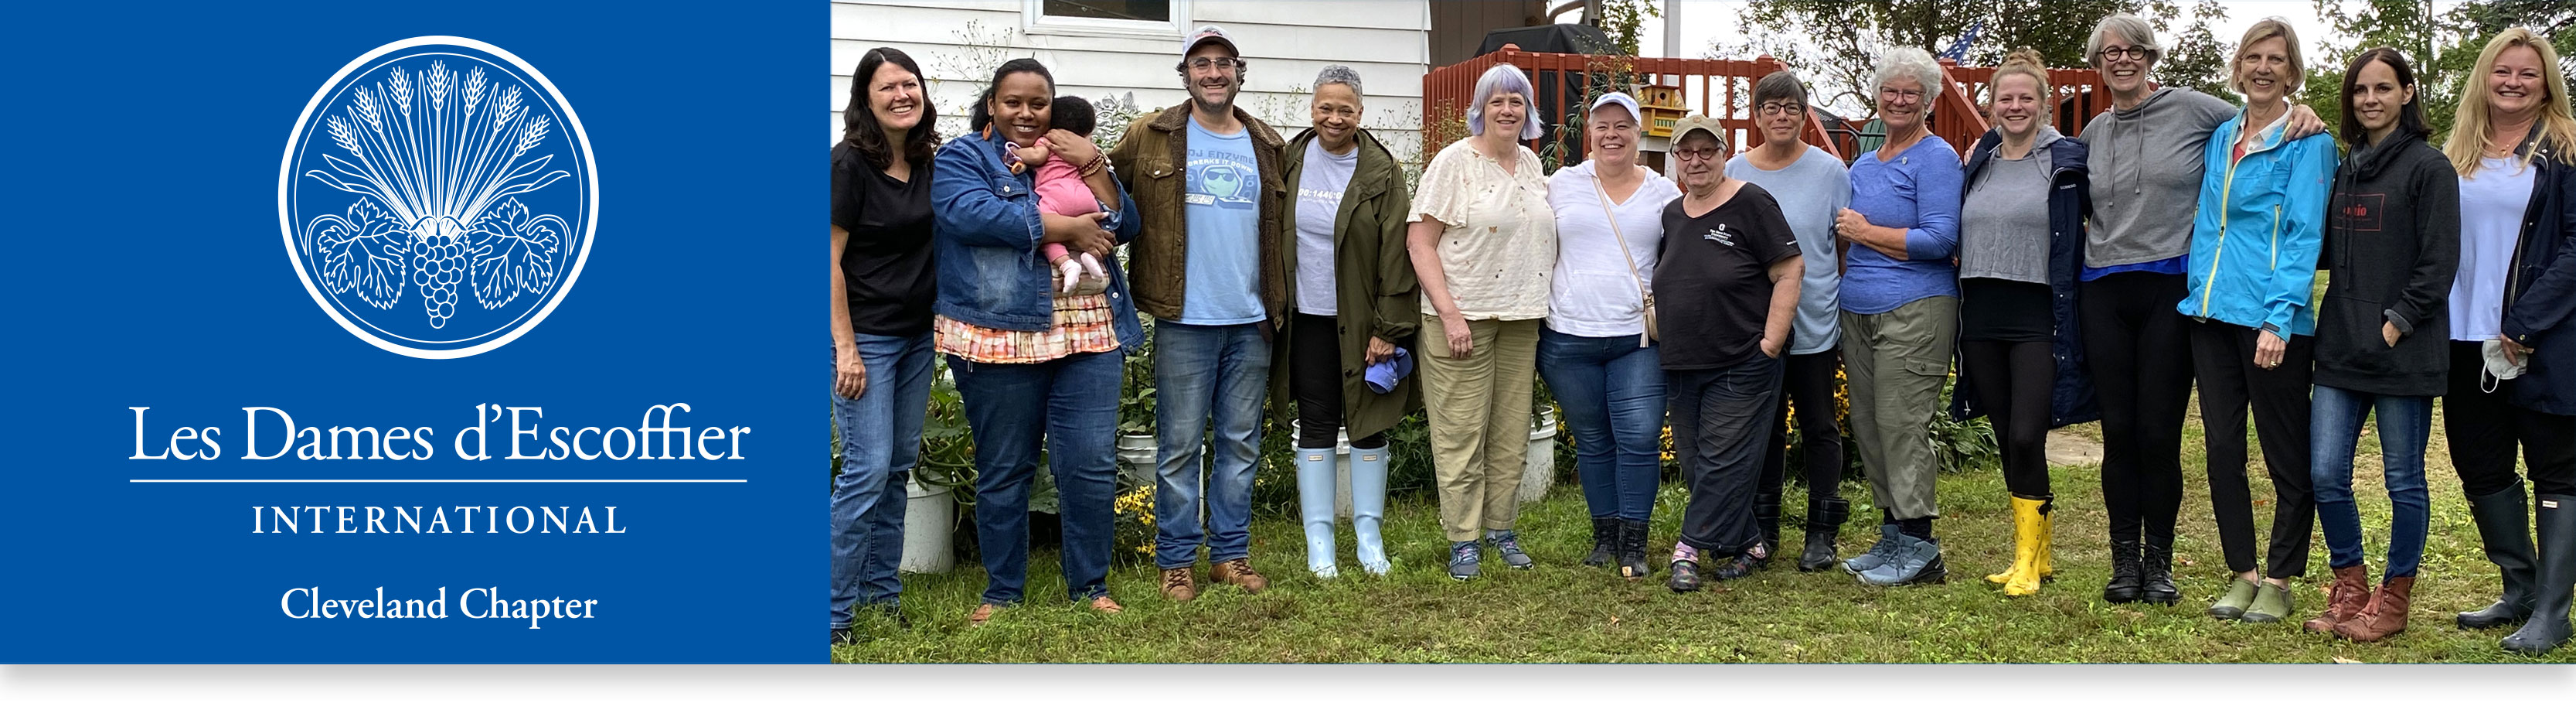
(1620, 99)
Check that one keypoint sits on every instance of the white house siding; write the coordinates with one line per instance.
(1285, 42)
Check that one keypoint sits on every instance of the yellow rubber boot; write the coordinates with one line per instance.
(2047, 532)
(2021, 547)
(2029, 528)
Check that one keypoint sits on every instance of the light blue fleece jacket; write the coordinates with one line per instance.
(2261, 221)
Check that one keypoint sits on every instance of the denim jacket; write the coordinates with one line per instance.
(2261, 221)
(987, 235)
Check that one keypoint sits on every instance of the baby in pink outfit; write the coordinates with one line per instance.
(1061, 191)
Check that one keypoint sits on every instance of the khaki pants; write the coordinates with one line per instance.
(1479, 410)
(1896, 362)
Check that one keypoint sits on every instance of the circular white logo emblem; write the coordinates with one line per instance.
(438, 197)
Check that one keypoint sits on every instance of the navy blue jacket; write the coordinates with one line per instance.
(2069, 198)
(2542, 295)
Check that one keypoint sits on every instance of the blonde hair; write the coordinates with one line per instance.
(2268, 28)
(2024, 61)
(2468, 139)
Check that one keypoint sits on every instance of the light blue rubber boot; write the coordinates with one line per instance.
(1315, 501)
(1368, 506)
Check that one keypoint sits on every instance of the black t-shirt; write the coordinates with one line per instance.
(886, 265)
(1713, 286)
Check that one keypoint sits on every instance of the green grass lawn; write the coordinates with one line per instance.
(1564, 612)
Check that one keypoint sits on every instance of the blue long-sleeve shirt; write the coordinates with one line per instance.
(1917, 191)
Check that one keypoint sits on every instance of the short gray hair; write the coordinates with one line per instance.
(2130, 27)
(1909, 62)
(1337, 73)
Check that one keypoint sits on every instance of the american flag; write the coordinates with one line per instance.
(1958, 51)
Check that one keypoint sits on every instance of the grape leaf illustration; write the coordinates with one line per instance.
(513, 252)
(364, 250)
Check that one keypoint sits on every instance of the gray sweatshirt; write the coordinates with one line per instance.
(2146, 169)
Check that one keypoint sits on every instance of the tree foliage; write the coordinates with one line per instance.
(2443, 45)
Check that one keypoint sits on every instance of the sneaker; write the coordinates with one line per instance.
(1912, 561)
(2240, 595)
(1685, 576)
(1877, 553)
(2272, 603)
(1239, 573)
(1180, 585)
(1742, 565)
(1509, 546)
(1462, 559)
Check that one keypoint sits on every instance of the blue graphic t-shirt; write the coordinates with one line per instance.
(1224, 211)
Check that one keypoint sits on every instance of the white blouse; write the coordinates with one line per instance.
(1500, 239)
(1593, 292)
(2491, 210)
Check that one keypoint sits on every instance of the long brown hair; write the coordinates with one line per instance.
(2468, 139)
(859, 126)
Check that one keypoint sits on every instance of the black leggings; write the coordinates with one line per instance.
(2139, 356)
(2013, 382)
(1807, 379)
(2483, 431)
(1315, 375)
(2230, 384)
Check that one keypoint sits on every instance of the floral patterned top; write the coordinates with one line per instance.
(1500, 243)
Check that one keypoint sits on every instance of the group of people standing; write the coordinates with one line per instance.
(2060, 274)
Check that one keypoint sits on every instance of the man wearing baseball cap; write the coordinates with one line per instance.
(1206, 265)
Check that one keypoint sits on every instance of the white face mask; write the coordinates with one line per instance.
(2497, 368)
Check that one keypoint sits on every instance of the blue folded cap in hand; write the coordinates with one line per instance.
(1382, 376)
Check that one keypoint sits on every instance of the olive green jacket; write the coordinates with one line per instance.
(1375, 290)
(1152, 161)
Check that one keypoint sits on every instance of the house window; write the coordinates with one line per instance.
(1148, 17)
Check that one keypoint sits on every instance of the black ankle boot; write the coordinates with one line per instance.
(2155, 571)
(2124, 584)
(1766, 517)
(1632, 550)
(1605, 541)
(2504, 524)
(1824, 519)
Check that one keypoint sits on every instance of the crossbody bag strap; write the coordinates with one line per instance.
(1644, 299)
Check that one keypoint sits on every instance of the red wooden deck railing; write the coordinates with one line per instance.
(1723, 89)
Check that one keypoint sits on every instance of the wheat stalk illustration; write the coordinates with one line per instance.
(436, 186)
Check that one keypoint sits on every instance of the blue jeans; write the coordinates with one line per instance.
(1199, 371)
(880, 440)
(1612, 394)
(1070, 407)
(2405, 422)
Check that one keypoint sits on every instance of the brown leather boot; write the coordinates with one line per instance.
(2385, 616)
(1180, 584)
(1239, 572)
(2344, 600)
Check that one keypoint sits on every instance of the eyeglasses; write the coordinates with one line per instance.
(1892, 95)
(1223, 62)
(1777, 109)
(1698, 154)
(2134, 53)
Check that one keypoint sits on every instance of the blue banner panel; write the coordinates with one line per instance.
(413, 332)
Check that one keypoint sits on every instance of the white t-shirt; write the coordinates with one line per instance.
(1500, 242)
(2491, 210)
(1320, 185)
(1592, 292)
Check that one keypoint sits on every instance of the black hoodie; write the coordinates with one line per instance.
(2393, 243)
